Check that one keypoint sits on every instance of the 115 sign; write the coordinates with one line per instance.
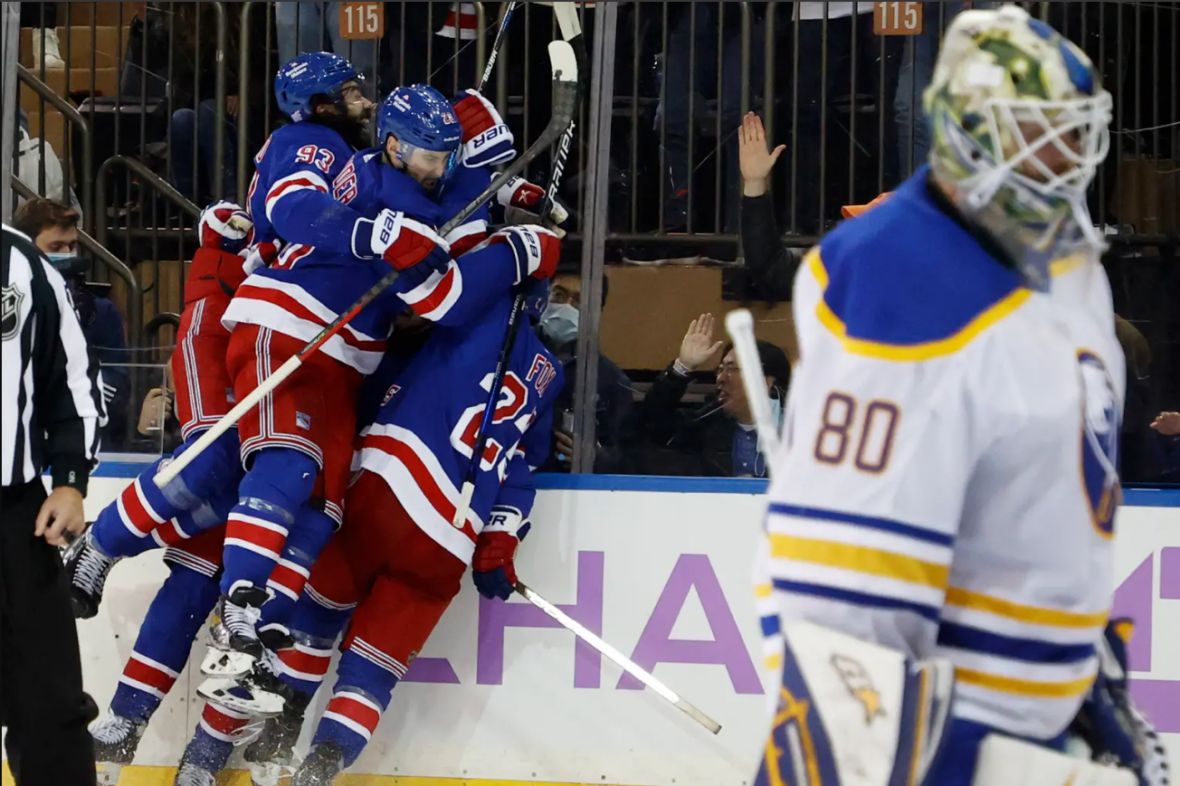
(360, 21)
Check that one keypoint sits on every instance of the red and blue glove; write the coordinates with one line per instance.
(225, 226)
(522, 194)
(487, 140)
(492, 567)
(537, 250)
(404, 243)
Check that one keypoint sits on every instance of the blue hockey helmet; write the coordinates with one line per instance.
(309, 75)
(536, 299)
(421, 118)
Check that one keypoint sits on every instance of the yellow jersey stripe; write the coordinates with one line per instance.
(1041, 690)
(860, 559)
(763, 590)
(774, 662)
(1032, 615)
(909, 352)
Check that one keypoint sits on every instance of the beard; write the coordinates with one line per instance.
(355, 130)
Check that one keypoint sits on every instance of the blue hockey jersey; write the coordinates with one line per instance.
(308, 286)
(423, 433)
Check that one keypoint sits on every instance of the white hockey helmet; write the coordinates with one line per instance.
(1019, 122)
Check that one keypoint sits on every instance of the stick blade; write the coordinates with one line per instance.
(563, 62)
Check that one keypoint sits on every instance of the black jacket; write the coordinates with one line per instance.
(770, 264)
(672, 441)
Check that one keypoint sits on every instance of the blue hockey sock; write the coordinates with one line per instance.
(361, 694)
(315, 628)
(308, 536)
(180, 607)
(270, 497)
(124, 527)
(213, 741)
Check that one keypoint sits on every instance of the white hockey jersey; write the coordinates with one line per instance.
(948, 477)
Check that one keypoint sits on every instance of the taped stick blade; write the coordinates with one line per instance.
(563, 62)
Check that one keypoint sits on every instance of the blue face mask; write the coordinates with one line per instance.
(559, 322)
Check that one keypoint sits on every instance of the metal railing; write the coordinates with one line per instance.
(77, 122)
(112, 263)
(654, 175)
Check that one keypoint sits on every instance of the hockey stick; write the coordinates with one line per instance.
(740, 325)
(565, 88)
(625, 663)
(571, 33)
(487, 71)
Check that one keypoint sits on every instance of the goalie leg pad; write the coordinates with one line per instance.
(853, 713)
(1007, 761)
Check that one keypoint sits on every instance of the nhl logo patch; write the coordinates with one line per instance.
(11, 319)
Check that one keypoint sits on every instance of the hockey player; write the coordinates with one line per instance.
(404, 558)
(942, 508)
(144, 517)
(322, 93)
(298, 441)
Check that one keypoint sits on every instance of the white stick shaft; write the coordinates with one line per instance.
(165, 476)
(625, 663)
(464, 506)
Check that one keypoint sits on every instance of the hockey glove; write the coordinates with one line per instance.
(401, 241)
(523, 195)
(1110, 725)
(536, 250)
(225, 226)
(486, 139)
(492, 566)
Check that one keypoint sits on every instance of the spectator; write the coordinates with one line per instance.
(771, 265)
(559, 331)
(157, 421)
(917, 67)
(194, 117)
(825, 64)
(1167, 425)
(315, 27)
(718, 438)
(690, 74)
(54, 230)
(1140, 450)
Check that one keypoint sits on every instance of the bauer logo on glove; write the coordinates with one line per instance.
(487, 141)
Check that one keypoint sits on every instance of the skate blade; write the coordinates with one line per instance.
(107, 773)
(220, 663)
(269, 774)
(260, 702)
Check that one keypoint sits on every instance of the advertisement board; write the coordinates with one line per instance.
(660, 569)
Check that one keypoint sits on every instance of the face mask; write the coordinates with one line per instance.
(559, 322)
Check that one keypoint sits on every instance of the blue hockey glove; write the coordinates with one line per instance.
(1108, 722)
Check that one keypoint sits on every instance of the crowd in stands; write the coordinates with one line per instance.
(845, 110)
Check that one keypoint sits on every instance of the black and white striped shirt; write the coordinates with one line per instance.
(52, 404)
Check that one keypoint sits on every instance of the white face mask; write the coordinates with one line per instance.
(559, 322)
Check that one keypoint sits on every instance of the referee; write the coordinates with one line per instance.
(52, 411)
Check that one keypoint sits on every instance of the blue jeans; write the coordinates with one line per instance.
(917, 68)
(315, 27)
(192, 132)
(696, 77)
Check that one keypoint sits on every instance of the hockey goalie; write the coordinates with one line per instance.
(937, 573)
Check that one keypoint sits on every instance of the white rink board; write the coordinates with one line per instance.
(668, 576)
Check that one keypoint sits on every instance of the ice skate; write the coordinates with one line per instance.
(272, 755)
(87, 568)
(115, 741)
(236, 646)
(189, 774)
(321, 766)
